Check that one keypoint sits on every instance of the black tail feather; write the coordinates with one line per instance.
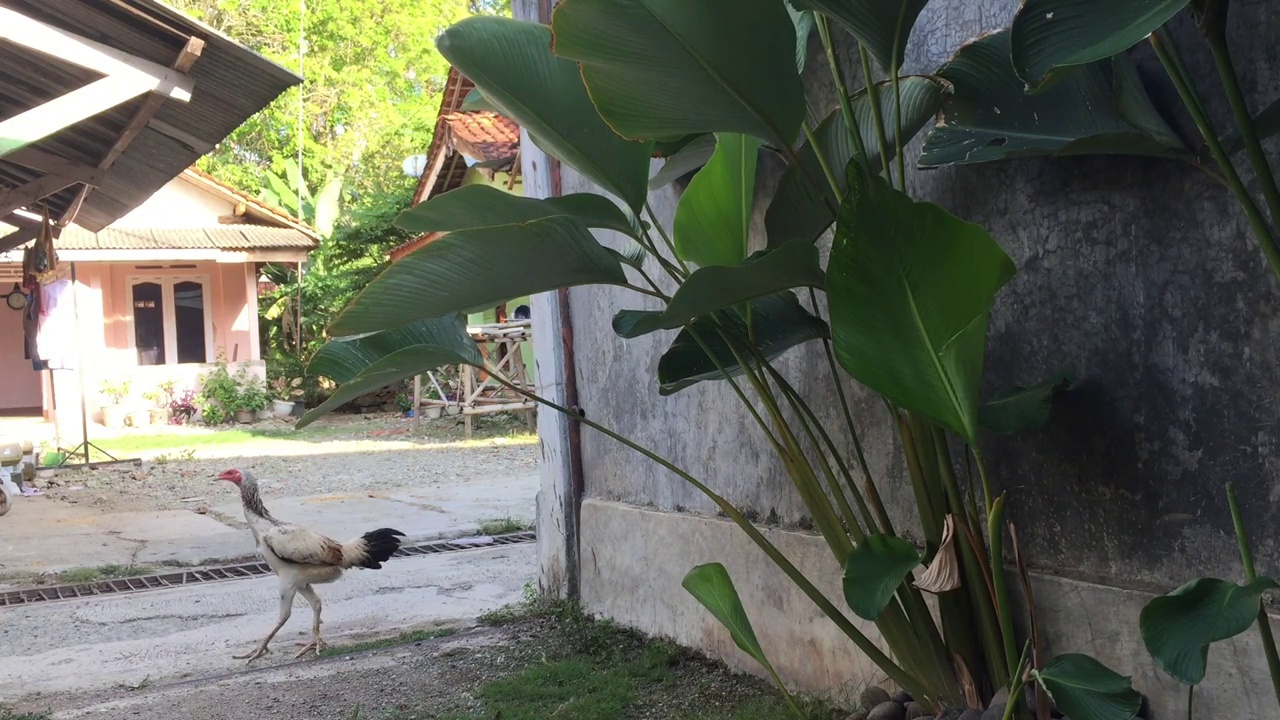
(381, 544)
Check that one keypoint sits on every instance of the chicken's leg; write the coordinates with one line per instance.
(317, 644)
(286, 608)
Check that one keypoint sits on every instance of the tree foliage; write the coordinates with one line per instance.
(371, 91)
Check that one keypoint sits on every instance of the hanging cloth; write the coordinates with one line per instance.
(44, 260)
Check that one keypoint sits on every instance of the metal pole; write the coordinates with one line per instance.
(84, 414)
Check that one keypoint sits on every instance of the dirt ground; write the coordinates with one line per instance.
(528, 668)
(353, 453)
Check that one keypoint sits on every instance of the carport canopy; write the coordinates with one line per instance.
(103, 102)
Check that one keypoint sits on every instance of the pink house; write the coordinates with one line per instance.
(161, 293)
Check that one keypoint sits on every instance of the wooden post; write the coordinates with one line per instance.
(417, 402)
(466, 397)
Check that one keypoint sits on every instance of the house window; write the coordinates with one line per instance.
(171, 322)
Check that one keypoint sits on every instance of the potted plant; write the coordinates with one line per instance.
(159, 399)
(281, 403)
(405, 403)
(259, 399)
(244, 413)
(113, 409)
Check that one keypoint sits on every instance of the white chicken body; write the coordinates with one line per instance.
(302, 558)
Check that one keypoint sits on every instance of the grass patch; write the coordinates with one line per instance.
(401, 639)
(504, 526)
(11, 715)
(76, 576)
(181, 444)
(596, 670)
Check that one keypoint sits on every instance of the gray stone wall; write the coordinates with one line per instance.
(1140, 274)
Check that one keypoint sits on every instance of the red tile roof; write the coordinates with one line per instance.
(480, 135)
(488, 134)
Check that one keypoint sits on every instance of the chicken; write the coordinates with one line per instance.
(302, 558)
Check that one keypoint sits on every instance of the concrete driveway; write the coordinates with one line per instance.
(161, 636)
(42, 535)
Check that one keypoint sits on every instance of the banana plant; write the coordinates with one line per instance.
(292, 194)
(909, 288)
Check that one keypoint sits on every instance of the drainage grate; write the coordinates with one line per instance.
(233, 572)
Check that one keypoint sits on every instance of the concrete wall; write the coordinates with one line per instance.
(1140, 274)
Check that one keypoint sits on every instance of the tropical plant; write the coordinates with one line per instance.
(909, 286)
(1178, 628)
(114, 392)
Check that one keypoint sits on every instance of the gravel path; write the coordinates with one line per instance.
(349, 454)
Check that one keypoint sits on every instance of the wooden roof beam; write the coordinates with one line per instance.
(186, 58)
(32, 192)
(17, 238)
(52, 164)
(69, 47)
(124, 78)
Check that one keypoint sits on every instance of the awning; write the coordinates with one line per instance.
(102, 102)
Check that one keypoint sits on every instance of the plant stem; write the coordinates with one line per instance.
(1191, 698)
(842, 90)
(806, 480)
(986, 482)
(822, 161)
(897, 132)
(801, 407)
(645, 276)
(995, 532)
(1167, 52)
(645, 291)
(1244, 121)
(873, 653)
(1250, 574)
(662, 232)
(1016, 683)
(873, 94)
(837, 380)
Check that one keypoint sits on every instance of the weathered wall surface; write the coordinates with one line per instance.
(1139, 274)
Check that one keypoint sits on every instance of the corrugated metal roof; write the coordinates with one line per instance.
(231, 84)
(231, 237)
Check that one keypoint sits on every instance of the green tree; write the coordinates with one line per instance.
(371, 91)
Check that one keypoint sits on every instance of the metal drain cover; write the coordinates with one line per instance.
(240, 571)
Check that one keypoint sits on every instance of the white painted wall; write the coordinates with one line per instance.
(179, 204)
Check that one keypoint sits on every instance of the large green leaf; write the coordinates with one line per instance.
(713, 288)
(511, 63)
(1179, 627)
(1018, 408)
(883, 26)
(688, 158)
(476, 102)
(910, 286)
(659, 69)
(873, 572)
(713, 220)
(479, 206)
(804, 22)
(469, 269)
(1266, 123)
(778, 323)
(1096, 109)
(370, 362)
(1085, 689)
(1049, 34)
(711, 585)
(804, 205)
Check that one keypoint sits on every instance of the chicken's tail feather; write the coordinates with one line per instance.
(371, 549)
